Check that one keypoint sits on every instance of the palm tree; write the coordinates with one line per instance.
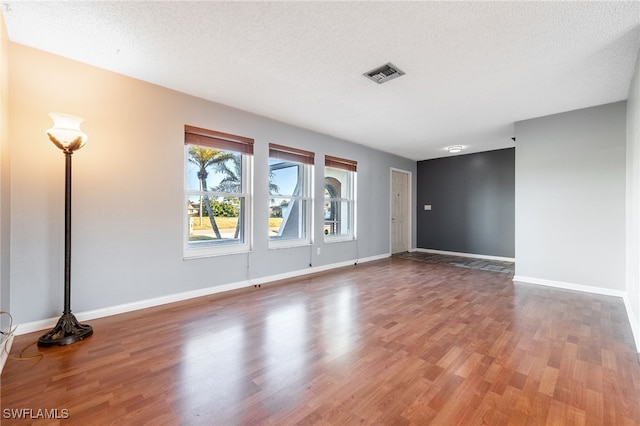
(232, 182)
(204, 158)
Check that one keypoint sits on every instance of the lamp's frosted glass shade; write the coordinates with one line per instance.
(66, 133)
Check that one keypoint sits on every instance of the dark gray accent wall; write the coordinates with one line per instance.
(472, 199)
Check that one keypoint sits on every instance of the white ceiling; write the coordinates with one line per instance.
(472, 68)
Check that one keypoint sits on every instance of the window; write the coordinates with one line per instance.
(217, 200)
(289, 199)
(339, 198)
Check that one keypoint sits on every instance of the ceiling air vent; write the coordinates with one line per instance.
(384, 73)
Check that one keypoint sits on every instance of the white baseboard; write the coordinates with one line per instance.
(142, 304)
(5, 348)
(476, 256)
(635, 325)
(569, 286)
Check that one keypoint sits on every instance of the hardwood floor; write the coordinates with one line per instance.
(390, 342)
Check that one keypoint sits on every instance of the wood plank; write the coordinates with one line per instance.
(387, 342)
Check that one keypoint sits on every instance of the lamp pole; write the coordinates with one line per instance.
(68, 330)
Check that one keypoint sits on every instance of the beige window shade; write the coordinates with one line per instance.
(290, 154)
(217, 140)
(340, 163)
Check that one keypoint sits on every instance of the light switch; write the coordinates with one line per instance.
(427, 206)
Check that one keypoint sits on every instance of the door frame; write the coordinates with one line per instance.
(409, 205)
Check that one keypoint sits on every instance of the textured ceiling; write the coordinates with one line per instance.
(472, 68)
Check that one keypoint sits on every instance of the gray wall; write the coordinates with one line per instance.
(633, 201)
(128, 191)
(472, 199)
(5, 179)
(570, 203)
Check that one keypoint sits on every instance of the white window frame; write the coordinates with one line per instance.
(350, 200)
(305, 174)
(216, 248)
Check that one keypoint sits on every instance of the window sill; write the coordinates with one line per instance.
(339, 239)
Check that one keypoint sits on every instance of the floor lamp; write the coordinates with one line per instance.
(67, 136)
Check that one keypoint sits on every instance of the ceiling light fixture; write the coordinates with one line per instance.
(454, 149)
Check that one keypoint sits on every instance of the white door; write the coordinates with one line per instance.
(400, 222)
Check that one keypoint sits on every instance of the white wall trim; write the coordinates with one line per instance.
(633, 321)
(5, 347)
(569, 286)
(148, 303)
(477, 256)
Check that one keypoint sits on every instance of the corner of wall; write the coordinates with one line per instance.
(5, 192)
(633, 204)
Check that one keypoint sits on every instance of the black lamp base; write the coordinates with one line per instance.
(67, 331)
